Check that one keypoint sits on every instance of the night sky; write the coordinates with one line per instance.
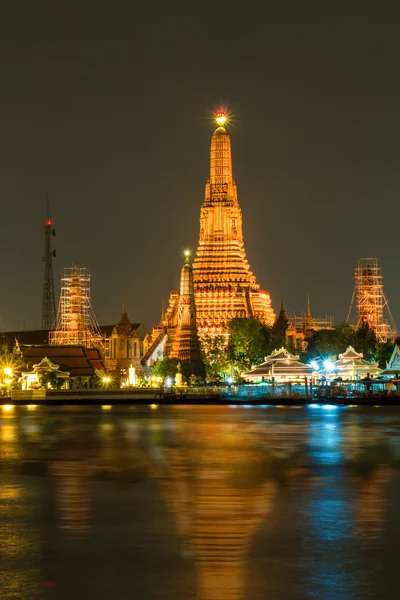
(106, 108)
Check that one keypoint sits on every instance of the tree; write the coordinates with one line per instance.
(50, 377)
(249, 342)
(328, 342)
(280, 327)
(363, 339)
(167, 367)
(213, 350)
(384, 353)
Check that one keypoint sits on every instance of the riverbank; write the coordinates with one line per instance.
(200, 396)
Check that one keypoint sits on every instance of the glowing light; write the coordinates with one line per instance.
(49, 223)
(329, 407)
(221, 117)
(328, 365)
(230, 380)
(314, 365)
(8, 407)
(32, 406)
(106, 380)
(168, 382)
(8, 381)
(106, 407)
(187, 252)
(153, 406)
(8, 371)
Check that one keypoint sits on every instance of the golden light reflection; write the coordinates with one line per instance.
(8, 433)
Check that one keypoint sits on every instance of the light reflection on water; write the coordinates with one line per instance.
(196, 502)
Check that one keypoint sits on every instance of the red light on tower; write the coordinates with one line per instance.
(221, 117)
(49, 223)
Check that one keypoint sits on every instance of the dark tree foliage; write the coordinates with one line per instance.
(331, 342)
(384, 353)
(168, 367)
(279, 328)
(249, 342)
(281, 324)
(215, 358)
(328, 342)
(363, 339)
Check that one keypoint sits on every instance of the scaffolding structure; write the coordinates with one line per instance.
(76, 320)
(307, 323)
(370, 299)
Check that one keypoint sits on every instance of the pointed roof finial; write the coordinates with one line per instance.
(162, 310)
(221, 117)
(187, 256)
(308, 306)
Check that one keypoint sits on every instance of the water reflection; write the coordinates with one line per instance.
(231, 501)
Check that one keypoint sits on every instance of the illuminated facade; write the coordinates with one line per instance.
(224, 286)
(76, 320)
(124, 345)
(176, 336)
(186, 344)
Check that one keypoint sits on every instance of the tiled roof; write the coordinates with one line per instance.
(77, 359)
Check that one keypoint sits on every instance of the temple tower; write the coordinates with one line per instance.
(186, 344)
(76, 320)
(224, 286)
(372, 305)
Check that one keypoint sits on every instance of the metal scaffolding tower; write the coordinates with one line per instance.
(76, 320)
(370, 299)
(48, 302)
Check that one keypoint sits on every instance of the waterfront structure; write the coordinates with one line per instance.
(176, 335)
(30, 379)
(77, 360)
(76, 319)
(351, 366)
(48, 300)
(280, 366)
(371, 303)
(393, 364)
(224, 286)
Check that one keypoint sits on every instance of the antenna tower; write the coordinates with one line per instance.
(48, 302)
(371, 301)
(76, 320)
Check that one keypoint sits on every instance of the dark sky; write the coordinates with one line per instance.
(106, 107)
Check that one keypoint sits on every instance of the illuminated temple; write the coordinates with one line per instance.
(225, 287)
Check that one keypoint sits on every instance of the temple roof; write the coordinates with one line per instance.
(79, 360)
(281, 354)
(350, 354)
(393, 365)
(281, 367)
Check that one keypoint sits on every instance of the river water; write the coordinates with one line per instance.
(212, 503)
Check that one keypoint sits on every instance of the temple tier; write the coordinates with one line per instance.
(224, 286)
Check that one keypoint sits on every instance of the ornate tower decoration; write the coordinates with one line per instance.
(186, 344)
(76, 320)
(224, 286)
(371, 301)
(48, 302)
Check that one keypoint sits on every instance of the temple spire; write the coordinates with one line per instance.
(224, 286)
(220, 153)
(186, 345)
